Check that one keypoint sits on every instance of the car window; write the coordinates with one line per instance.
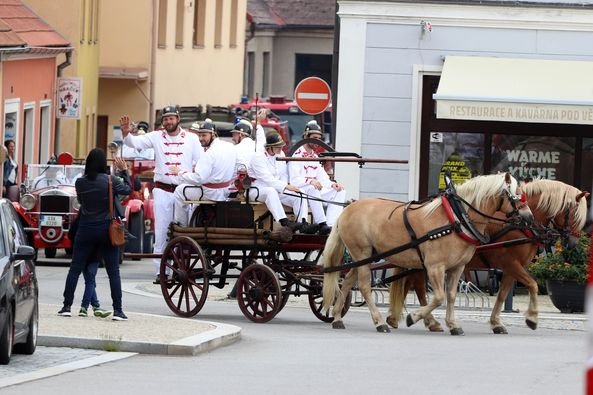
(4, 221)
(16, 236)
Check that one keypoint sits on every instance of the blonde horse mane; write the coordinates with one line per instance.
(476, 190)
(556, 196)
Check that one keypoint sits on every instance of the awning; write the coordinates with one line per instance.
(126, 73)
(516, 90)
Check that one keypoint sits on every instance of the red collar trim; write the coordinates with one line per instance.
(453, 220)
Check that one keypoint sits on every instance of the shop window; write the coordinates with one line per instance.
(461, 153)
(547, 157)
(586, 168)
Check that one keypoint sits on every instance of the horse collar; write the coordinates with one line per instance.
(458, 216)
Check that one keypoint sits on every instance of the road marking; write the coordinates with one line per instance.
(67, 367)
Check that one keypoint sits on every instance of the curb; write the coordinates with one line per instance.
(221, 335)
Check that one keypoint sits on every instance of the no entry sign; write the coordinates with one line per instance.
(312, 95)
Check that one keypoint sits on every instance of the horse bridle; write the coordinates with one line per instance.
(513, 199)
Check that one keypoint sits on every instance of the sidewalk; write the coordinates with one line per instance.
(142, 333)
(146, 333)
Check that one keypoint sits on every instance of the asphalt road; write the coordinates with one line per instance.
(295, 354)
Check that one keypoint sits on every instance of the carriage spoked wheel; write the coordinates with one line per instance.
(258, 293)
(316, 301)
(186, 287)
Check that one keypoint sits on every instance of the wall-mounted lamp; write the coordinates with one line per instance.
(426, 26)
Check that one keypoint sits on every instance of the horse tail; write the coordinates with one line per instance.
(333, 255)
(397, 298)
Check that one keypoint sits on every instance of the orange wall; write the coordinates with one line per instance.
(31, 80)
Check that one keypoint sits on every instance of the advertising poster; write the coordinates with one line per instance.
(69, 94)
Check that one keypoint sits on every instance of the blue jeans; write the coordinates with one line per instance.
(92, 240)
(90, 294)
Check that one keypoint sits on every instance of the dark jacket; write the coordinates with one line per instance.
(94, 199)
(7, 169)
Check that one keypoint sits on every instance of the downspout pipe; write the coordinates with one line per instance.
(152, 72)
(335, 63)
(61, 68)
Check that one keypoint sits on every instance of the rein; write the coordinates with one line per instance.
(453, 226)
(303, 195)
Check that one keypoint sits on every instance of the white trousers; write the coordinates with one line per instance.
(185, 192)
(163, 216)
(299, 205)
(270, 197)
(333, 211)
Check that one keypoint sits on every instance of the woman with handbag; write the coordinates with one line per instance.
(96, 191)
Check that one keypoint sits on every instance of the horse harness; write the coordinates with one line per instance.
(458, 221)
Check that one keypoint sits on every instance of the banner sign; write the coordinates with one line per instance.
(69, 95)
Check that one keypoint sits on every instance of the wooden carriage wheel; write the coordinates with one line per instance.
(186, 287)
(258, 293)
(316, 301)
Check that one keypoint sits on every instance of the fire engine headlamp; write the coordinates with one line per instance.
(28, 201)
(75, 204)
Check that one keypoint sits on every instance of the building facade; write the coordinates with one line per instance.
(29, 49)
(161, 52)
(287, 41)
(470, 86)
(77, 21)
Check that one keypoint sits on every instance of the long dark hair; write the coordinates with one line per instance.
(96, 163)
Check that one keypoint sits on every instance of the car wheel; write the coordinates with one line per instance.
(31, 344)
(136, 229)
(7, 338)
(50, 252)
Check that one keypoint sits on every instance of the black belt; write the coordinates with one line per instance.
(165, 187)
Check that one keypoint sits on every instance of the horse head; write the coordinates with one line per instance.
(513, 202)
(560, 206)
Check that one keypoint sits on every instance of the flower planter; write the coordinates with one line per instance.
(568, 296)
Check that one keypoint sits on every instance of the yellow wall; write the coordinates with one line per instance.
(210, 75)
(126, 39)
(66, 16)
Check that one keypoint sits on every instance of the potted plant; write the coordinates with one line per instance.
(564, 273)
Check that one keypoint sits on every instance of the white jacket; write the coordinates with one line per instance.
(182, 150)
(302, 173)
(216, 165)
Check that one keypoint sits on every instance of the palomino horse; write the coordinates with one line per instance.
(554, 203)
(379, 226)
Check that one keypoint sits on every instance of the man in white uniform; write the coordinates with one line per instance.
(264, 187)
(175, 150)
(212, 175)
(300, 205)
(313, 173)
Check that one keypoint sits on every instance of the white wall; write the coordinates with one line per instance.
(383, 54)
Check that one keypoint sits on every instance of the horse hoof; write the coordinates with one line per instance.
(531, 324)
(392, 321)
(338, 325)
(409, 320)
(457, 332)
(500, 330)
(383, 329)
(435, 328)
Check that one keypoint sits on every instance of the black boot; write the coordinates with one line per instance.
(308, 229)
(294, 226)
(324, 229)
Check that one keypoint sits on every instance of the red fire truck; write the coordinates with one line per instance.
(287, 110)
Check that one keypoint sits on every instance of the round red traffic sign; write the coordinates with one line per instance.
(312, 95)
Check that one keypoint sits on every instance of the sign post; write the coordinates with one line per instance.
(312, 95)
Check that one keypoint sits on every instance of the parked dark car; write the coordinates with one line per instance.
(19, 311)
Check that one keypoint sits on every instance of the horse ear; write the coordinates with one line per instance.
(582, 194)
(507, 177)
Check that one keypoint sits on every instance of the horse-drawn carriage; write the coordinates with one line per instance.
(438, 236)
